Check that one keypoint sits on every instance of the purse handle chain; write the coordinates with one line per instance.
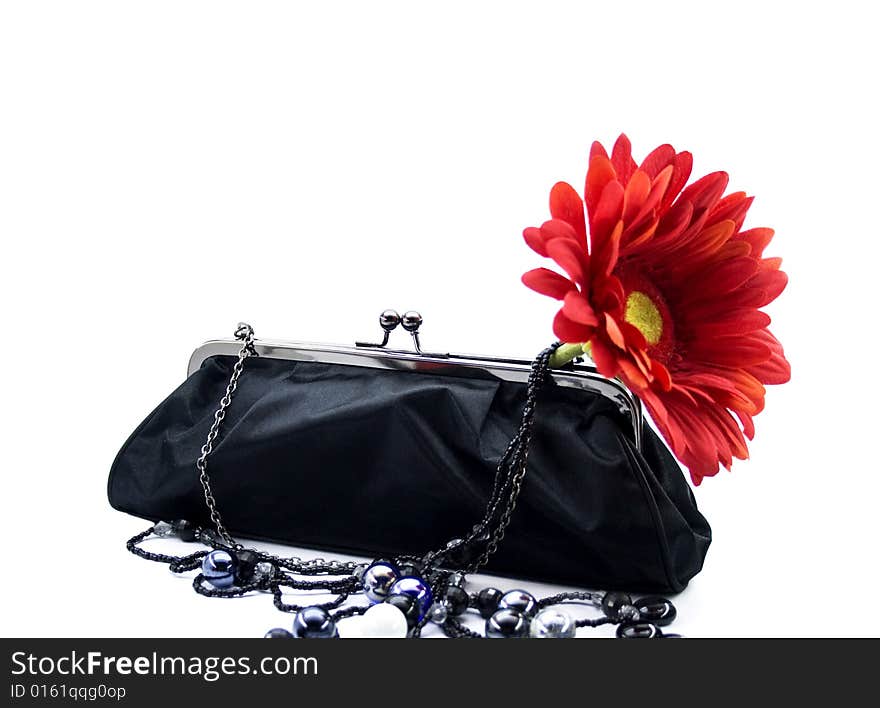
(506, 488)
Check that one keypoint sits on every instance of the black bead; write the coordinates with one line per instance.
(314, 623)
(247, 562)
(487, 601)
(184, 530)
(507, 624)
(638, 630)
(613, 601)
(458, 600)
(408, 569)
(408, 605)
(657, 610)
(671, 636)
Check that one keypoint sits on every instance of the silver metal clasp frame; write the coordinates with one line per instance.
(379, 356)
(389, 320)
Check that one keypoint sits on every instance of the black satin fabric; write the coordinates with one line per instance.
(379, 462)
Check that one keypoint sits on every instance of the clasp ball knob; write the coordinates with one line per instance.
(507, 624)
(389, 319)
(411, 321)
(314, 623)
(218, 568)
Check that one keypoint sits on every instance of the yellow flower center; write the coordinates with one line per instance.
(642, 313)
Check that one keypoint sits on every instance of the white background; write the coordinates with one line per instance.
(170, 168)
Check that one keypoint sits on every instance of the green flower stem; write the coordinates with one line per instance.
(565, 354)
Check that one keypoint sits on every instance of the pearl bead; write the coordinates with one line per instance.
(383, 621)
(657, 610)
(218, 568)
(378, 579)
(507, 623)
(277, 633)
(551, 623)
(314, 623)
(418, 589)
(386, 621)
(519, 600)
(613, 601)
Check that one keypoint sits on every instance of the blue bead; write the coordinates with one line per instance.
(378, 579)
(314, 623)
(218, 568)
(416, 588)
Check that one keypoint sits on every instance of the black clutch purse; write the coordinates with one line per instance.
(369, 450)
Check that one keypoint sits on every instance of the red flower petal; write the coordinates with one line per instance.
(607, 251)
(683, 247)
(607, 362)
(683, 164)
(569, 331)
(658, 160)
(600, 174)
(566, 204)
(621, 158)
(572, 259)
(535, 240)
(577, 309)
(614, 333)
(758, 239)
(547, 282)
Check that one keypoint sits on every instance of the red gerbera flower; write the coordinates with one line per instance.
(665, 294)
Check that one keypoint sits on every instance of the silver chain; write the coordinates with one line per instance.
(244, 333)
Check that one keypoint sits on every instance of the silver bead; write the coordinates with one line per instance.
(389, 319)
(378, 579)
(628, 613)
(411, 321)
(264, 570)
(456, 579)
(359, 571)
(162, 528)
(551, 623)
(439, 612)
